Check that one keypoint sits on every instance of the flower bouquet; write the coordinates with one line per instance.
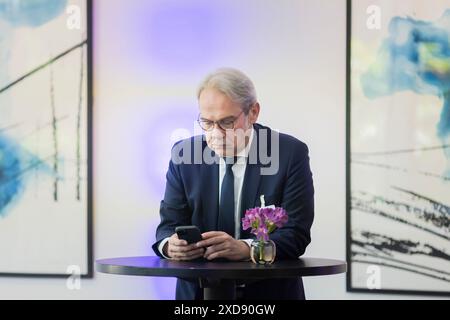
(262, 222)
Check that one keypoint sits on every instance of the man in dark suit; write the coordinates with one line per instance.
(212, 179)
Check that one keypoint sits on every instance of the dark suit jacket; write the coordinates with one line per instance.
(191, 198)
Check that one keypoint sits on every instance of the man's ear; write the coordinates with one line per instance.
(254, 113)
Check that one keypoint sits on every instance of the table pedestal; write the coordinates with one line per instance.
(215, 289)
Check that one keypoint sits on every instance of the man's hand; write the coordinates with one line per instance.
(179, 249)
(220, 244)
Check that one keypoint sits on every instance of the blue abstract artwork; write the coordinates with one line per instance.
(399, 156)
(44, 140)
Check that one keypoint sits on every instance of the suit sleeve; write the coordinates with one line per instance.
(174, 209)
(298, 200)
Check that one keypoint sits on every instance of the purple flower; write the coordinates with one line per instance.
(264, 221)
(262, 234)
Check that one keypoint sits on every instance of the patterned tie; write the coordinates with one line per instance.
(226, 208)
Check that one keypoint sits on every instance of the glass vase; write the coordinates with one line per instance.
(263, 252)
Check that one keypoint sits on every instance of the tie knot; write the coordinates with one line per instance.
(230, 161)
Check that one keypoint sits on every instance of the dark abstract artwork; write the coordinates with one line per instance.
(398, 177)
(45, 107)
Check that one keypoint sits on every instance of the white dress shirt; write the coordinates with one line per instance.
(239, 173)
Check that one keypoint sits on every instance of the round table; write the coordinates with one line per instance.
(219, 279)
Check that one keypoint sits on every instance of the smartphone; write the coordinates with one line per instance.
(191, 234)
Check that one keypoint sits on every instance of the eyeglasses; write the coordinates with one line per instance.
(224, 124)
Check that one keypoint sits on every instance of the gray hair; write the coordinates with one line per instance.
(234, 84)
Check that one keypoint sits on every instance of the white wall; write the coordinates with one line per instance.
(302, 91)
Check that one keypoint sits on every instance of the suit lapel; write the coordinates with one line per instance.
(210, 192)
(252, 179)
(250, 187)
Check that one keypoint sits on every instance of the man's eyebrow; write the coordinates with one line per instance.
(226, 118)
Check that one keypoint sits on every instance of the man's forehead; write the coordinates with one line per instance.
(218, 112)
(216, 116)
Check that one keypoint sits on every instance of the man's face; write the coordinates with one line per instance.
(216, 106)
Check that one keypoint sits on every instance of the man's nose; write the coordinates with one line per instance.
(216, 127)
(217, 131)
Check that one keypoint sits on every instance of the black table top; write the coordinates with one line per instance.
(157, 267)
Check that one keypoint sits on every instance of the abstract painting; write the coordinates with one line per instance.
(398, 150)
(45, 138)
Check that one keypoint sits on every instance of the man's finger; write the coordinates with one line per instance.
(210, 234)
(189, 254)
(192, 257)
(177, 242)
(215, 248)
(196, 252)
(219, 254)
(183, 248)
(192, 245)
(212, 241)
